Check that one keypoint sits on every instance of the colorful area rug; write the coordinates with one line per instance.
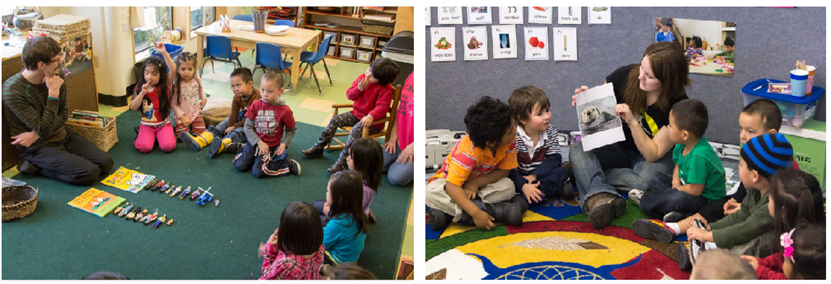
(555, 241)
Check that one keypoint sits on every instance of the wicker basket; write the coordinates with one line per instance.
(375, 27)
(19, 201)
(103, 137)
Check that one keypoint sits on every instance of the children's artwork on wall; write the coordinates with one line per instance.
(450, 15)
(596, 113)
(569, 15)
(442, 42)
(427, 18)
(475, 40)
(504, 41)
(536, 43)
(510, 15)
(540, 15)
(708, 45)
(600, 15)
(479, 15)
(565, 44)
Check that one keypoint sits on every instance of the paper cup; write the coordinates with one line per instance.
(799, 80)
(810, 85)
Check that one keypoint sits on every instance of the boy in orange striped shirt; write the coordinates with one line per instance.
(472, 187)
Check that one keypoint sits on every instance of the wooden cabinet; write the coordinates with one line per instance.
(360, 32)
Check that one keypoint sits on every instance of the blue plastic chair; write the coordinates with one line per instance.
(219, 49)
(312, 58)
(280, 22)
(247, 18)
(269, 57)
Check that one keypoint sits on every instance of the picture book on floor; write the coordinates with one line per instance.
(96, 201)
(128, 180)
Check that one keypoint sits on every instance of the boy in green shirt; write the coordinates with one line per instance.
(698, 177)
(729, 45)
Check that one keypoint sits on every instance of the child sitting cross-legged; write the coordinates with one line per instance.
(231, 130)
(472, 187)
(539, 174)
(266, 120)
(699, 175)
(749, 230)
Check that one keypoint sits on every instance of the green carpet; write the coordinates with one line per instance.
(60, 242)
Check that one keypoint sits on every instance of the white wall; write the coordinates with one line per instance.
(709, 31)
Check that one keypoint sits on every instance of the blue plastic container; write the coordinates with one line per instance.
(172, 49)
(795, 110)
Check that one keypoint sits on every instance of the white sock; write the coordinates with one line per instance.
(675, 228)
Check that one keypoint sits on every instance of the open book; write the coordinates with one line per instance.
(96, 201)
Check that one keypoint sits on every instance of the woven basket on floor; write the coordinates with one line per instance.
(103, 137)
(19, 201)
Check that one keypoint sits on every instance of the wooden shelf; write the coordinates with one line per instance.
(347, 29)
(310, 12)
(387, 10)
(342, 30)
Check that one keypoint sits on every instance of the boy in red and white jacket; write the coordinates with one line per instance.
(372, 94)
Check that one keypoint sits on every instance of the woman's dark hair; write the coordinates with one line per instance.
(669, 65)
(385, 70)
(105, 275)
(164, 99)
(351, 271)
(797, 197)
(39, 49)
(487, 121)
(301, 231)
(808, 251)
(347, 192)
(176, 90)
(368, 158)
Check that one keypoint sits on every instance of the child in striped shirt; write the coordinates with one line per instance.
(539, 175)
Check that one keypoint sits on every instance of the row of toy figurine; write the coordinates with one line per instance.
(166, 188)
(136, 214)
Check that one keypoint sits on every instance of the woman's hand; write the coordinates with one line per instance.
(390, 146)
(623, 111)
(577, 91)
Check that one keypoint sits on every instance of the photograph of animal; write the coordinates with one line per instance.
(597, 116)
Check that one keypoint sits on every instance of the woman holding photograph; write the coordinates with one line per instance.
(646, 93)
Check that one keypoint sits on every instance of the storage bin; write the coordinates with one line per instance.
(364, 55)
(172, 49)
(348, 39)
(332, 49)
(103, 137)
(347, 52)
(795, 110)
(367, 41)
(334, 38)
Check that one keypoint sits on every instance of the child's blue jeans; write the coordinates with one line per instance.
(275, 166)
(661, 198)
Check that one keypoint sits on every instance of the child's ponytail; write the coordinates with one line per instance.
(797, 197)
(368, 159)
(807, 251)
(347, 193)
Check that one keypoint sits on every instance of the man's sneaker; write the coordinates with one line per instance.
(437, 219)
(653, 230)
(604, 208)
(675, 217)
(27, 167)
(635, 195)
(294, 167)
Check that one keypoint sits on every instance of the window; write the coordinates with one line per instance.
(156, 21)
(200, 15)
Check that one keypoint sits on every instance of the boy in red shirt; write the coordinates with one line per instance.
(372, 93)
(266, 120)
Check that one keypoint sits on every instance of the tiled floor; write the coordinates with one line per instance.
(307, 104)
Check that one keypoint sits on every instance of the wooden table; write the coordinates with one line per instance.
(296, 41)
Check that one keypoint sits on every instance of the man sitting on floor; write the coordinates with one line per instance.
(36, 108)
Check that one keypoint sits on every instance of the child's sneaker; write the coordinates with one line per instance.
(294, 167)
(437, 219)
(197, 142)
(682, 254)
(635, 195)
(653, 230)
(675, 217)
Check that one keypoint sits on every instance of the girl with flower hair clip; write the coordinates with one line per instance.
(795, 198)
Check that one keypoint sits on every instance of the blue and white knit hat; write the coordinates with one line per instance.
(768, 153)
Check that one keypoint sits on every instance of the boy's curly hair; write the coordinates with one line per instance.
(487, 121)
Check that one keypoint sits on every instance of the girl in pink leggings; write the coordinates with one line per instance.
(151, 96)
